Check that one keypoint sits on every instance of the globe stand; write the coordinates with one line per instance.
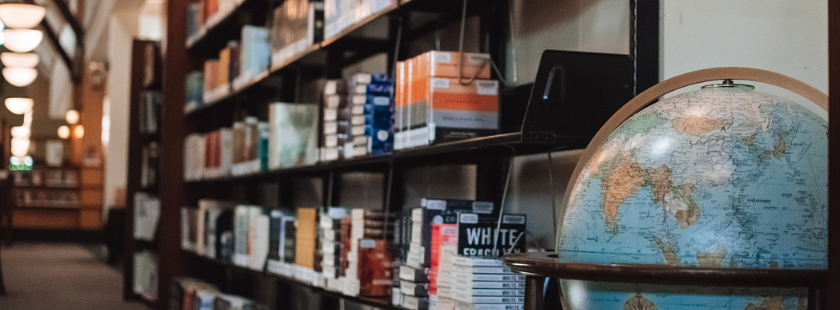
(537, 266)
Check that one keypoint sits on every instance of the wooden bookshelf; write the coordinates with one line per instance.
(325, 60)
(138, 140)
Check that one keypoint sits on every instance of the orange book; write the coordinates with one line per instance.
(223, 75)
(307, 221)
(210, 71)
(210, 8)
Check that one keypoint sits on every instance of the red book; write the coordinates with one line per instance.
(376, 270)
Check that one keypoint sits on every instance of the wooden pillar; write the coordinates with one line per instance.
(87, 150)
(176, 65)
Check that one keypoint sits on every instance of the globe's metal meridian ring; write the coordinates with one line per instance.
(667, 86)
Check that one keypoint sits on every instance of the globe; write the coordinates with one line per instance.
(723, 177)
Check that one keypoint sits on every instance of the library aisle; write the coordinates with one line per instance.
(59, 276)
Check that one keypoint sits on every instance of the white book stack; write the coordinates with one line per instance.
(485, 283)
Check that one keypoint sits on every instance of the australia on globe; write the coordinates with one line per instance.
(721, 177)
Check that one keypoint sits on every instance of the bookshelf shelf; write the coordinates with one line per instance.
(221, 22)
(380, 303)
(364, 37)
(466, 150)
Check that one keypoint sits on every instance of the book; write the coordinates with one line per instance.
(493, 300)
(416, 275)
(471, 277)
(414, 289)
(146, 216)
(415, 303)
(189, 233)
(255, 52)
(481, 237)
(489, 285)
(375, 268)
(241, 225)
(306, 237)
(293, 137)
(258, 239)
(460, 291)
(469, 306)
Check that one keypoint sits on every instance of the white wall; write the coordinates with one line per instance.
(785, 36)
(122, 28)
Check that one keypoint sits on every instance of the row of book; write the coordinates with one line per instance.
(341, 249)
(440, 235)
(288, 139)
(443, 97)
(207, 13)
(193, 294)
(358, 117)
(341, 14)
(236, 65)
(442, 254)
(46, 198)
(47, 177)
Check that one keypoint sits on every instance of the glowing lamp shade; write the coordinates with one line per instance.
(18, 15)
(20, 146)
(22, 40)
(72, 117)
(21, 131)
(19, 105)
(64, 132)
(19, 60)
(80, 131)
(20, 77)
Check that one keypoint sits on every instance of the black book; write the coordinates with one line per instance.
(476, 234)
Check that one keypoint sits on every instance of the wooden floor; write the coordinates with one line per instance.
(60, 276)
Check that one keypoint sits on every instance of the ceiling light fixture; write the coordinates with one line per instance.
(80, 131)
(20, 77)
(19, 105)
(19, 60)
(22, 40)
(19, 15)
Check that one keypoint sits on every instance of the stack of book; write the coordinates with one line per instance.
(340, 14)
(281, 243)
(433, 105)
(480, 283)
(423, 225)
(358, 117)
(478, 236)
(330, 236)
(293, 135)
(150, 159)
(250, 140)
(297, 25)
(334, 99)
(367, 229)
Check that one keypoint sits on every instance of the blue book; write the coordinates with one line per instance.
(255, 53)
